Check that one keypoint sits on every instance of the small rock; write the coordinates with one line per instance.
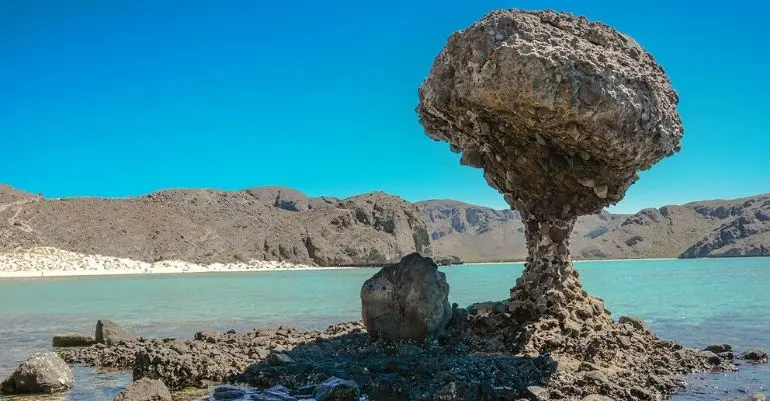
(336, 389)
(710, 357)
(537, 393)
(719, 348)
(275, 393)
(44, 372)
(145, 390)
(638, 324)
(209, 336)
(758, 397)
(278, 358)
(594, 376)
(71, 340)
(108, 332)
(597, 397)
(228, 393)
(601, 191)
(754, 355)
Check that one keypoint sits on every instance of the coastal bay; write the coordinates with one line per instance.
(695, 302)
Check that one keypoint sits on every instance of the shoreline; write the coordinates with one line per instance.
(52, 262)
(131, 272)
(45, 262)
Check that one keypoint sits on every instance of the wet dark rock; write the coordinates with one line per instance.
(754, 355)
(71, 340)
(279, 358)
(43, 372)
(228, 393)
(108, 332)
(336, 389)
(275, 393)
(710, 357)
(719, 348)
(406, 300)
(145, 390)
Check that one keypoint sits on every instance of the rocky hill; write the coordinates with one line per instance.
(276, 223)
(204, 226)
(739, 227)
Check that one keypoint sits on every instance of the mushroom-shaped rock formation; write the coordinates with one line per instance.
(561, 114)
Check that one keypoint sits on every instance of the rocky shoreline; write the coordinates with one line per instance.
(467, 362)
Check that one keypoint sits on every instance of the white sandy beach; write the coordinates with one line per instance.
(53, 262)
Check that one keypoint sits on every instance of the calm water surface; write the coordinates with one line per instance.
(695, 302)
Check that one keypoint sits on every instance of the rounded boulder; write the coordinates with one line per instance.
(145, 390)
(43, 372)
(406, 301)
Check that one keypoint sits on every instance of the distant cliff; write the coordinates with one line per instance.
(276, 223)
(739, 227)
(204, 226)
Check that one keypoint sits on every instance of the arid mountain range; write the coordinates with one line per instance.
(276, 223)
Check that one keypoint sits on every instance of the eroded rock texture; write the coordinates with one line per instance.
(406, 301)
(561, 113)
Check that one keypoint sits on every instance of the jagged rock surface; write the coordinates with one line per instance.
(561, 113)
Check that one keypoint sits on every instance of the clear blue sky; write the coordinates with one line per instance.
(117, 98)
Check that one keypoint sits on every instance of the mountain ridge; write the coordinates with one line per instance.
(280, 223)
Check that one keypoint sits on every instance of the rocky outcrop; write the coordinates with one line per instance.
(407, 300)
(560, 113)
(109, 333)
(44, 372)
(206, 226)
(471, 356)
(71, 340)
(754, 355)
(145, 390)
(192, 363)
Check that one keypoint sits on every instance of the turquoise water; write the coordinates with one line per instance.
(695, 302)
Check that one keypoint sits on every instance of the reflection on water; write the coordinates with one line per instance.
(696, 302)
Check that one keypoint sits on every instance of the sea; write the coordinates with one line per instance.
(696, 302)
